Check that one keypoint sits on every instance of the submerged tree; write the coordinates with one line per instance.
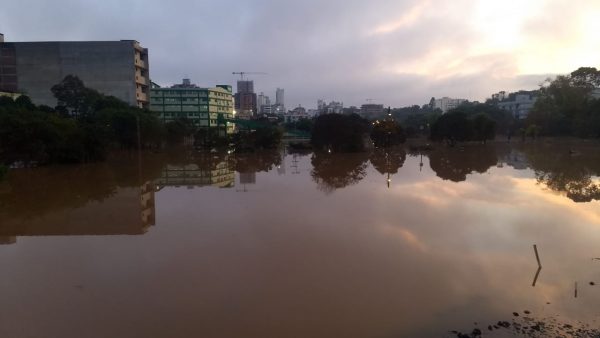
(452, 127)
(484, 128)
(387, 133)
(339, 133)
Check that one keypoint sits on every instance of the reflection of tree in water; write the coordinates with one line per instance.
(388, 161)
(335, 171)
(456, 163)
(566, 170)
(259, 161)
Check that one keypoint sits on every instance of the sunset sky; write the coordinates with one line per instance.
(398, 52)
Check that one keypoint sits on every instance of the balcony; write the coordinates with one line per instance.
(141, 80)
(140, 63)
(140, 96)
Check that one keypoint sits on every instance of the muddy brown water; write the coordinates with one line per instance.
(383, 244)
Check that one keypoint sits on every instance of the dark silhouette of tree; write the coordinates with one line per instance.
(504, 120)
(484, 128)
(82, 128)
(339, 133)
(72, 94)
(386, 133)
(452, 127)
(336, 171)
(565, 106)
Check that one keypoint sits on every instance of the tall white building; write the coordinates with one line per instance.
(263, 104)
(446, 103)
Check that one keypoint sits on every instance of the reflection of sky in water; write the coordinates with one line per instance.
(283, 258)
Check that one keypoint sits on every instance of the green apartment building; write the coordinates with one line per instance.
(205, 107)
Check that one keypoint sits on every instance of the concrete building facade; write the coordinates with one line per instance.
(280, 99)
(245, 99)
(332, 107)
(263, 104)
(117, 68)
(205, 107)
(519, 104)
(445, 104)
(371, 110)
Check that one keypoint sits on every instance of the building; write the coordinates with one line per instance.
(117, 68)
(280, 99)
(205, 107)
(296, 115)
(332, 107)
(218, 174)
(246, 99)
(445, 104)
(371, 110)
(127, 211)
(499, 96)
(519, 103)
(264, 104)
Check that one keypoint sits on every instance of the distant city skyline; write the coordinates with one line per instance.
(397, 53)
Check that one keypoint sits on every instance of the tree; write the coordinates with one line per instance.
(337, 132)
(484, 128)
(586, 77)
(452, 127)
(387, 133)
(565, 105)
(72, 94)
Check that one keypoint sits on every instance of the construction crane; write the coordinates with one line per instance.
(241, 74)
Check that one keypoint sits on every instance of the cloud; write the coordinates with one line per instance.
(398, 52)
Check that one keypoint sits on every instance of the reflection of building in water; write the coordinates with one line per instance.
(248, 178)
(193, 175)
(8, 240)
(129, 211)
(516, 159)
(147, 204)
(294, 165)
(281, 167)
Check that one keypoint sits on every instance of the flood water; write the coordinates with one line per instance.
(396, 243)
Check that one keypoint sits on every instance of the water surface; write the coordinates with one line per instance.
(392, 243)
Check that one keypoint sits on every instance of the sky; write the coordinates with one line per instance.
(394, 52)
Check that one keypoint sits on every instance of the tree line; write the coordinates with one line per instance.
(567, 106)
(83, 127)
(86, 125)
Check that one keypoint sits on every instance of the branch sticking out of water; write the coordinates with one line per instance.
(537, 256)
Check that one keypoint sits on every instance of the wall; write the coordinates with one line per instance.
(105, 66)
